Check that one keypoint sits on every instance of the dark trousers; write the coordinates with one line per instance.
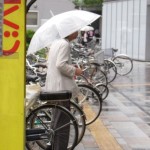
(61, 137)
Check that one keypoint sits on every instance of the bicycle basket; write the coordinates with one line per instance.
(108, 53)
(99, 57)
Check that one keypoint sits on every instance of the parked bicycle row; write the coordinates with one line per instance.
(100, 67)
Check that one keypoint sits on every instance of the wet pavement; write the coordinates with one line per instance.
(125, 115)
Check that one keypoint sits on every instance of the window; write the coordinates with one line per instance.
(32, 18)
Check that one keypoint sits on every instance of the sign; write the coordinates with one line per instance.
(12, 76)
(12, 26)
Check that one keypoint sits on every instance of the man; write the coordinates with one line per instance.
(60, 77)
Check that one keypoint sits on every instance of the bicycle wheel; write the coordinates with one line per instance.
(81, 79)
(80, 117)
(90, 102)
(103, 90)
(57, 128)
(95, 75)
(124, 64)
(110, 70)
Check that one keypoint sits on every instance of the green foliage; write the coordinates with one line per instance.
(87, 3)
(78, 2)
(92, 2)
(42, 53)
(29, 35)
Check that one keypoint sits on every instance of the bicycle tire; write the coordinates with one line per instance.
(34, 116)
(95, 75)
(89, 100)
(110, 70)
(81, 79)
(80, 117)
(124, 64)
(103, 90)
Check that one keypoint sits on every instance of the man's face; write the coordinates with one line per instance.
(74, 35)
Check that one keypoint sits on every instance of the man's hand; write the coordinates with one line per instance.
(78, 71)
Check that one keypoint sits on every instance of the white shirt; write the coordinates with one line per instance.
(60, 71)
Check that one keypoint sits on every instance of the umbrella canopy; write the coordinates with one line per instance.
(60, 26)
(87, 28)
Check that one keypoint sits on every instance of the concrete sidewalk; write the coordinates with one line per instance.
(124, 122)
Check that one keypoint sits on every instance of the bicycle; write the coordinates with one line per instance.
(106, 65)
(42, 112)
(91, 71)
(92, 75)
(37, 70)
(93, 61)
(123, 62)
(100, 87)
(89, 100)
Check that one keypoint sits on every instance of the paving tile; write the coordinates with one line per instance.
(121, 141)
(126, 147)
(116, 116)
(140, 149)
(128, 104)
(136, 119)
(138, 143)
(87, 132)
(146, 119)
(130, 110)
(128, 129)
(80, 146)
(114, 132)
(92, 148)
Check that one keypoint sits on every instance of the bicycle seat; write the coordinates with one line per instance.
(59, 95)
(40, 65)
(35, 134)
(34, 131)
(41, 74)
(96, 64)
(42, 60)
(115, 50)
(32, 78)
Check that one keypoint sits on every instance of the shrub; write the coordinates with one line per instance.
(29, 35)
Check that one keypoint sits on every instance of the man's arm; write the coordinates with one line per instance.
(62, 61)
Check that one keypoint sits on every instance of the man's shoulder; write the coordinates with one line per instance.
(64, 42)
(61, 41)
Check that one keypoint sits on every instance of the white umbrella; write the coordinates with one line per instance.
(60, 26)
(87, 28)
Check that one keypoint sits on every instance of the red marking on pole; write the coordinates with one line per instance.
(12, 1)
(13, 49)
(10, 10)
(7, 34)
(10, 24)
(15, 34)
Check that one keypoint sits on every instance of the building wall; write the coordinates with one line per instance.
(148, 33)
(124, 26)
(47, 8)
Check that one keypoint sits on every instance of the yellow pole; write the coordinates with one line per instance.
(12, 77)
